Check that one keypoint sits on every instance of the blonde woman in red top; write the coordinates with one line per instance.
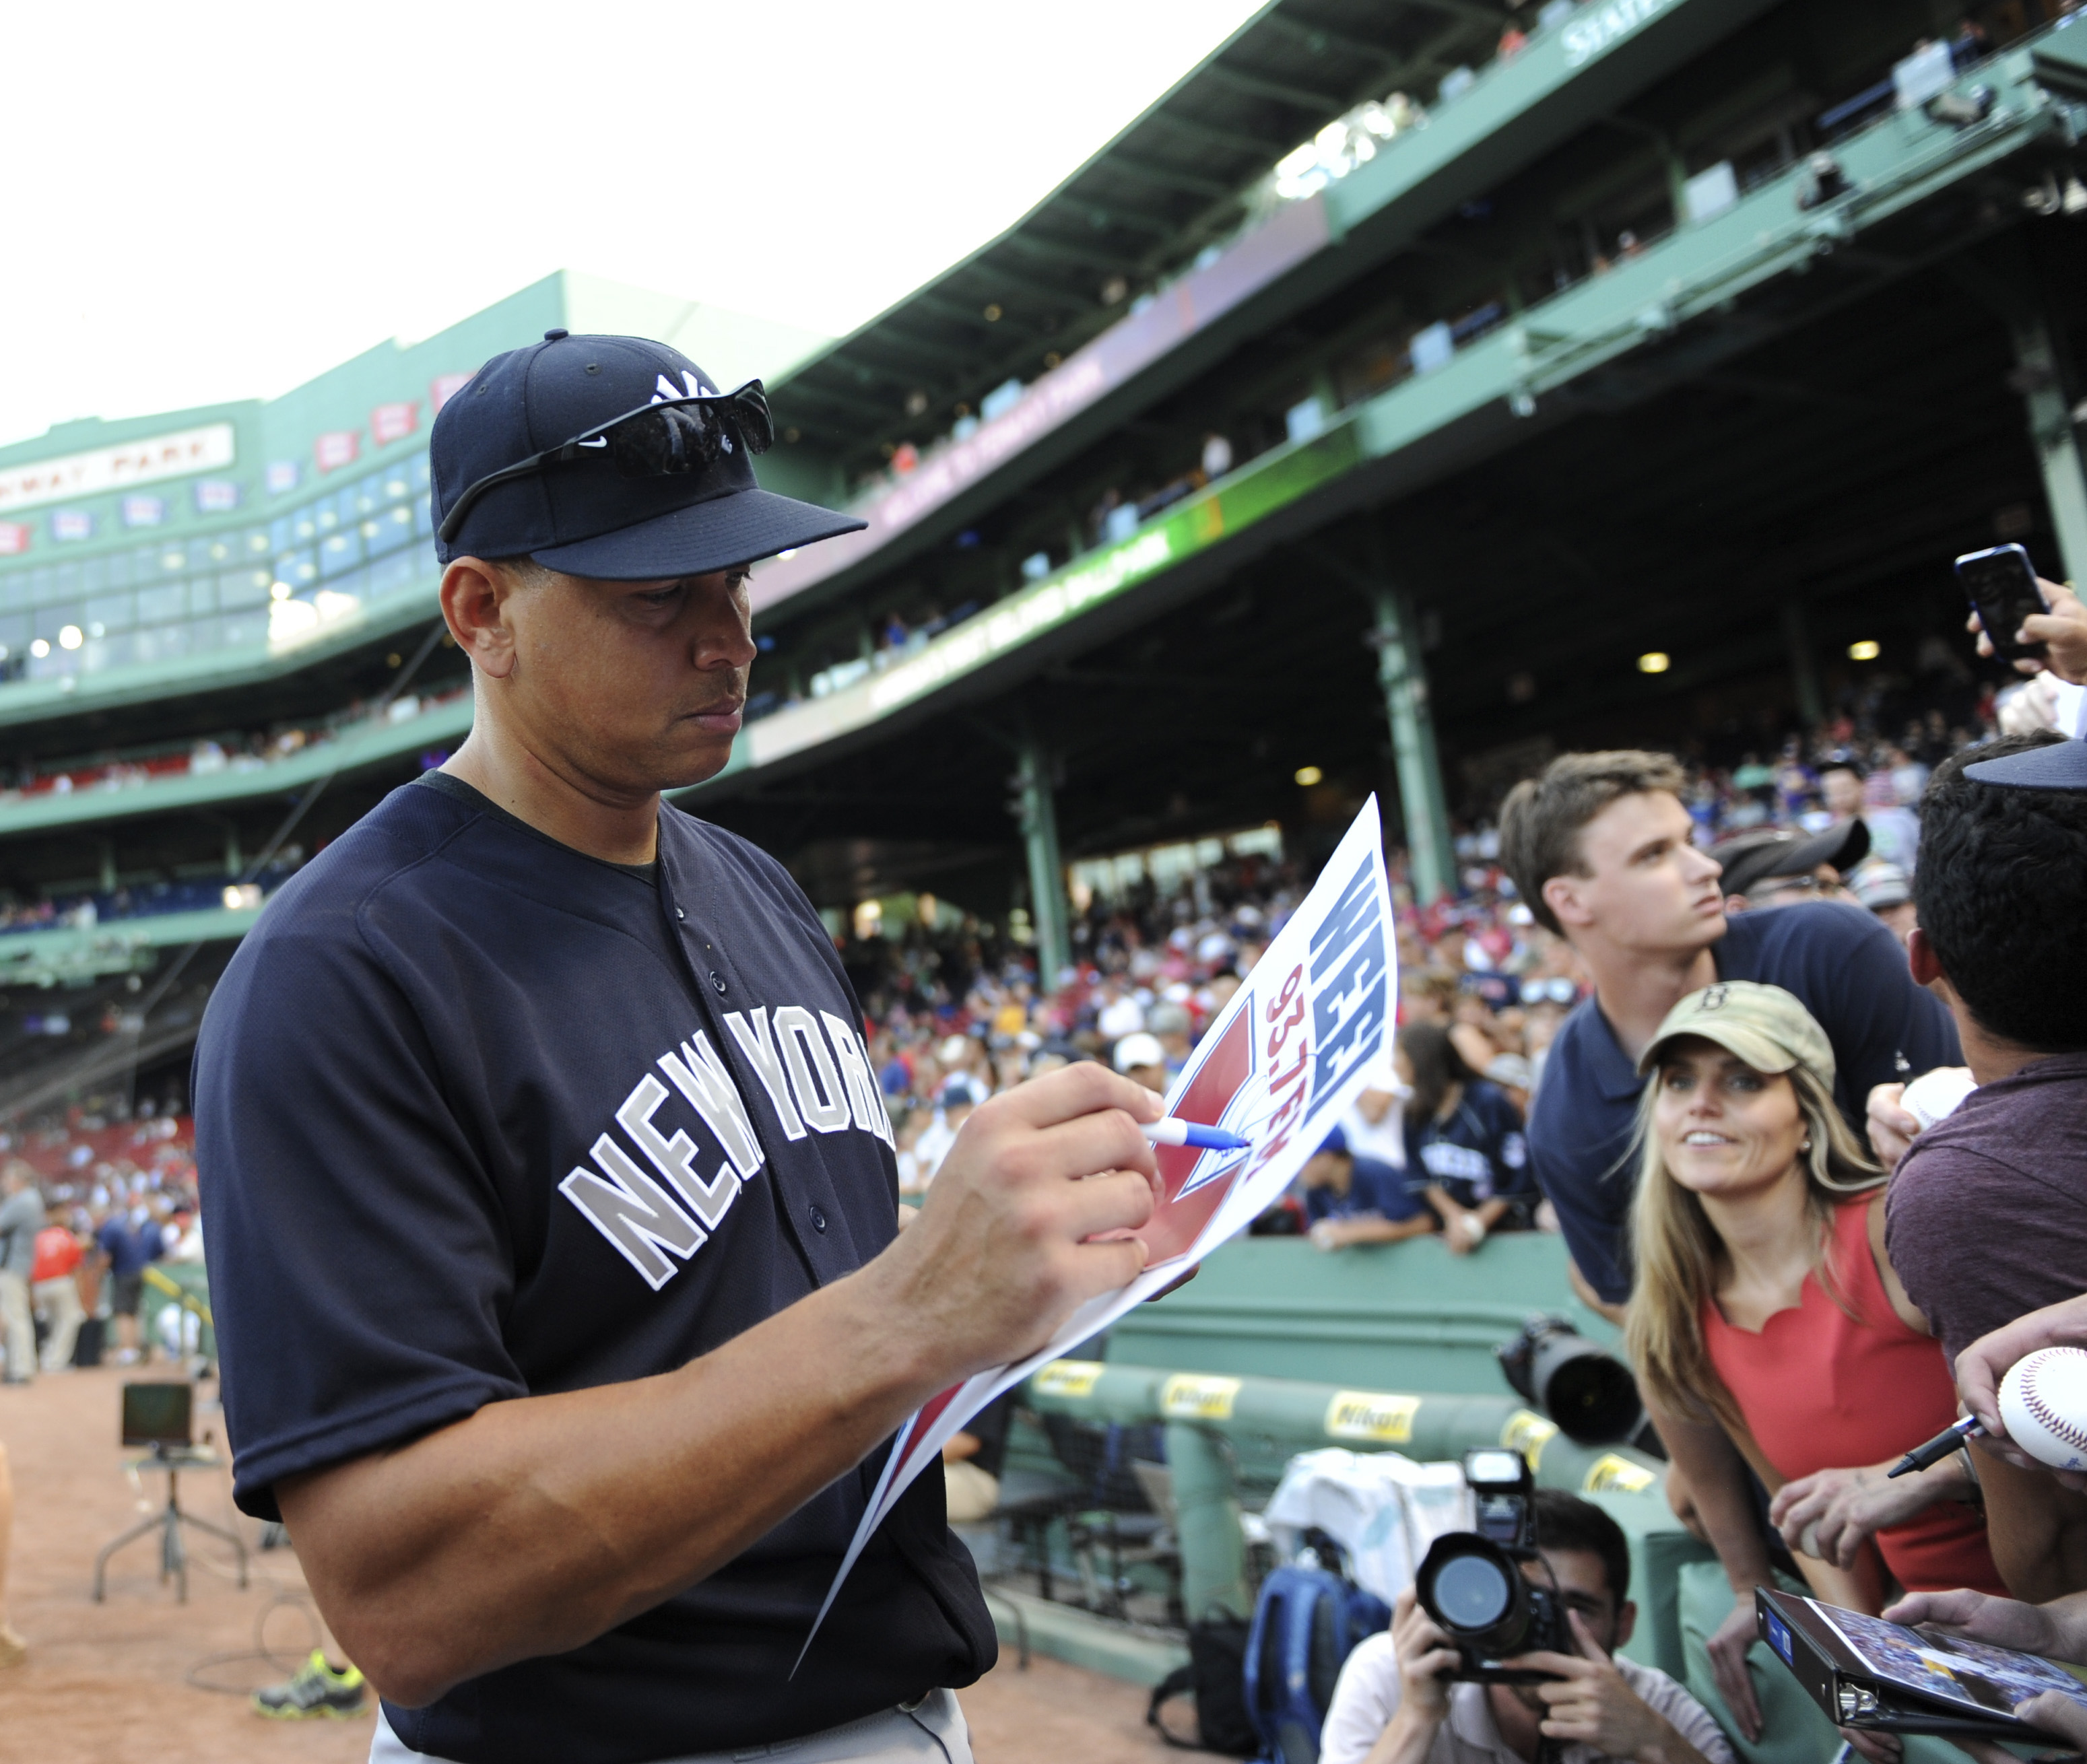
(1768, 1329)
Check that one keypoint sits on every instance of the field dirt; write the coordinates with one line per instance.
(120, 1682)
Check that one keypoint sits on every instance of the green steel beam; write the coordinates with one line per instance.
(1423, 804)
(1049, 909)
(1480, 403)
(371, 744)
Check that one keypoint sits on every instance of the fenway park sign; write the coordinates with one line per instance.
(207, 448)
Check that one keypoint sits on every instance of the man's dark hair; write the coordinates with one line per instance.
(2001, 888)
(1565, 1522)
(1541, 819)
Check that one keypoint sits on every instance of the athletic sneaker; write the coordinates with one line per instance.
(315, 1689)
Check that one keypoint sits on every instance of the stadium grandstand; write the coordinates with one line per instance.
(1418, 387)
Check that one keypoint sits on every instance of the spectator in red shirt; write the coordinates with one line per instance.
(54, 1294)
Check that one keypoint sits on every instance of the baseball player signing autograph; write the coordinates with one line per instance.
(551, 1202)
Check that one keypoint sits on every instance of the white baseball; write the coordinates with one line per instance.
(2043, 1402)
(1936, 1094)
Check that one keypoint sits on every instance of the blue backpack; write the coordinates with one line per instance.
(1305, 1623)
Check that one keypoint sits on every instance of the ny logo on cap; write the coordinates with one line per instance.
(1713, 999)
(665, 391)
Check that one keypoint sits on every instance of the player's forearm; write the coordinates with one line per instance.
(539, 1524)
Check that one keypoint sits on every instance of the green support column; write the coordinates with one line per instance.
(1803, 663)
(1038, 815)
(1206, 1521)
(1421, 794)
(2051, 430)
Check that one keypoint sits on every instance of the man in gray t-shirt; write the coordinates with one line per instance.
(21, 1218)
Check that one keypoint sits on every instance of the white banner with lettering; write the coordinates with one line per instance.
(208, 449)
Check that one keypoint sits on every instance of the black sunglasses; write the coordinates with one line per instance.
(667, 440)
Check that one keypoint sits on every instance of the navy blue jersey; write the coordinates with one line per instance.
(479, 1116)
(1479, 1154)
(1851, 974)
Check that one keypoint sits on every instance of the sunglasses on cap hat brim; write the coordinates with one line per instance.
(669, 439)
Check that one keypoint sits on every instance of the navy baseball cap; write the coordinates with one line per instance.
(581, 516)
(2057, 766)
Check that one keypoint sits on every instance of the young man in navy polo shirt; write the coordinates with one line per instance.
(550, 1195)
(1599, 847)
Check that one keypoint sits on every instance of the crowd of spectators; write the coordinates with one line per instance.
(243, 750)
(85, 909)
(89, 1200)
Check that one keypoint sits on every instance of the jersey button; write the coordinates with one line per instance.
(818, 1219)
(679, 914)
(717, 981)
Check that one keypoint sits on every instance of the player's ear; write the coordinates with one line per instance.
(474, 594)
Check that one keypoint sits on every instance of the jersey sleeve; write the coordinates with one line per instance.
(373, 1269)
(1884, 1027)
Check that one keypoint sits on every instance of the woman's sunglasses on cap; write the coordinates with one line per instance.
(666, 439)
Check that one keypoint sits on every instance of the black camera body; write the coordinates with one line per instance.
(1472, 1584)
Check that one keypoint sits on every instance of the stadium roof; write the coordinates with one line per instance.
(1176, 181)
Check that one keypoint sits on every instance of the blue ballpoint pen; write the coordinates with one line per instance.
(1171, 1131)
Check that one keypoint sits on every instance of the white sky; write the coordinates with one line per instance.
(218, 201)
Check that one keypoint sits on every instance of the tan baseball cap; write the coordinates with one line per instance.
(1765, 1026)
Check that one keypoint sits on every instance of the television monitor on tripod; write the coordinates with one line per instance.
(160, 1414)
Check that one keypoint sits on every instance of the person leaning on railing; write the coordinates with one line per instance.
(1768, 1329)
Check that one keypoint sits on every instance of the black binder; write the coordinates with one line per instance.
(1865, 1672)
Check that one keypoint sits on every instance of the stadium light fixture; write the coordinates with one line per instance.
(1866, 650)
(40, 648)
(71, 637)
(1309, 775)
(1654, 662)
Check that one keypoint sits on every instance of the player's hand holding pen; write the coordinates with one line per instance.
(1033, 1211)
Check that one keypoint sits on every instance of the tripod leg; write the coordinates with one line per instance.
(231, 1537)
(108, 1550)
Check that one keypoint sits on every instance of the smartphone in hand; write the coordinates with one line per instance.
(2001, 584)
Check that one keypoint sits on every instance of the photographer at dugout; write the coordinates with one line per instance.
(1392, 1706)
(552, 1202)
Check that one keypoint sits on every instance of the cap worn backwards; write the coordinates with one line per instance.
(2059, 765)
(1765, 1026)
(581, 516)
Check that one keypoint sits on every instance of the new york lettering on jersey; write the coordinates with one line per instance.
(654, 1227)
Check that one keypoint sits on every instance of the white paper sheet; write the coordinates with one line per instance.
(1279, 1067)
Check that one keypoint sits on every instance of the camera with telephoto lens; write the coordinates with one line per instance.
(1472, 1584)
(1586, 1389)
